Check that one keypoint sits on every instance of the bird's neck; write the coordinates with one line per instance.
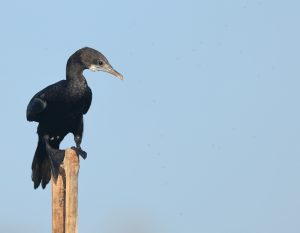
(74, 72)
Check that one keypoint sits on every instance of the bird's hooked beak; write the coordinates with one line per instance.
(106, 68)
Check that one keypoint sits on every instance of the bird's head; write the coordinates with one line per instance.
(93, 60)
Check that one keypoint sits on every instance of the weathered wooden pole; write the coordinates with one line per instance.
(58, 204)
(65, 195)
(71, 164)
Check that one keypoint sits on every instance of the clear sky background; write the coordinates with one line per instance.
(201, 137)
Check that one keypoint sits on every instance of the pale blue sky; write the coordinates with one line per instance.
(201, 137)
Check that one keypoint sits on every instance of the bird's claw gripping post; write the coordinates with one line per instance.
(56, 157)
(80, 152)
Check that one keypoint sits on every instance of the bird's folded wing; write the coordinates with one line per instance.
(88, 100)
(34, 108)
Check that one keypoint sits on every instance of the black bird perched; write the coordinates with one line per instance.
(59, 110)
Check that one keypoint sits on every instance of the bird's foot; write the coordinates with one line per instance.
(80, 152)
(56, 158)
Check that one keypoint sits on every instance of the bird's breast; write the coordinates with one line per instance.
(67, 105)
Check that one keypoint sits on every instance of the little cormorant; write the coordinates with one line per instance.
(59, 110)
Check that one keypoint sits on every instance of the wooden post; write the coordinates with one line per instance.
(58, 204)
(71, 164)
(65, 195)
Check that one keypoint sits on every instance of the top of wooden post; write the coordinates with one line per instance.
(65, 195)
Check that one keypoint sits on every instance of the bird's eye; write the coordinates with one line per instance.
(100, 63)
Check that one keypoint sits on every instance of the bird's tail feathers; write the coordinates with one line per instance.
(41, 173)
(44, 163)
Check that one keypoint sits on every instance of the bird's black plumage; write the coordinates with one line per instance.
(59, 110)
